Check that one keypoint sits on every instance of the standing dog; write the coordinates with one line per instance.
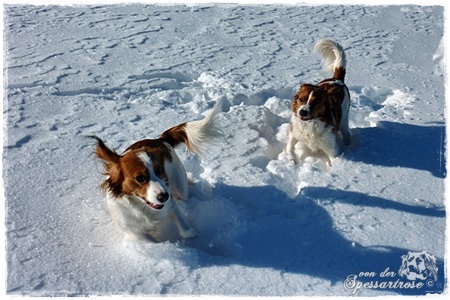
(320, 111)
(145, 183)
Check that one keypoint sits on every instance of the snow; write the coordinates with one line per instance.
(266, 226)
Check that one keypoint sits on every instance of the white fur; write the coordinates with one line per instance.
(314, 138)
(201, 132)
(333, 55)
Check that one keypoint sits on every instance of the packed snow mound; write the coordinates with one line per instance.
(266, 227)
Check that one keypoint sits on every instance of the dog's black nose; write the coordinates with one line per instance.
(162, 197)
(303, 112)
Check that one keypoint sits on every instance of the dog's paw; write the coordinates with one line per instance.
(292, 157)
(190, 233)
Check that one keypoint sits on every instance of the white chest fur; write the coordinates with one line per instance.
(134, 216)
(313, 137)
(312, 134)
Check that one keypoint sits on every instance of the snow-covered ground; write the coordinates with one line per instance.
(266, 226)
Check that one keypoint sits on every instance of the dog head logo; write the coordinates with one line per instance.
(418, 266)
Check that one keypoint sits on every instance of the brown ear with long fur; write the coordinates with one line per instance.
(104, 153)
(111, 162)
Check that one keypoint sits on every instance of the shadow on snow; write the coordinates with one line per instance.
(297, 236)
(401, 145)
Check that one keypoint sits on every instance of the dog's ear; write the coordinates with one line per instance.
(294, 102)
(403, 267)
(111, 162)
(430, 264)
(428, 258)
(104, 153)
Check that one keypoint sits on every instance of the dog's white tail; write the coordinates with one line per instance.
(195, 134)
(333, 57)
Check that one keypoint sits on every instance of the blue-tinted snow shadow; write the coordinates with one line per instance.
(361, 199)
(297, 236)
(401, 145)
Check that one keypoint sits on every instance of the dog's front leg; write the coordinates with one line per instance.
(185, 230)
(290, 147)
(331, 149)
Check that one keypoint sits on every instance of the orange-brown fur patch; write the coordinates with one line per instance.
(339, 73)
(131, 167)
(318, 101)
(176, 135)
(123, 170)
(325, 102)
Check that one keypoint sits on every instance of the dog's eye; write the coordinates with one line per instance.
(141, 178)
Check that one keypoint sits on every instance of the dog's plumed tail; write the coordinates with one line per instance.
(333, 57)
(195, 134)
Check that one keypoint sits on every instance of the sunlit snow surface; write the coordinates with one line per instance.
(266, 226)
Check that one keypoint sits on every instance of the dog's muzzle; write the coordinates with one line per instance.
(162, 197)
(304, 114)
